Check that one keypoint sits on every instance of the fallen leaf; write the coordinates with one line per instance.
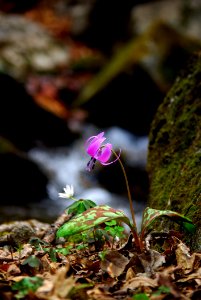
(100, 294)
(114, 263)
(151, 260)
(185, 261)
(57, 286)
(196, 276)
(13, 270)
(140, 281)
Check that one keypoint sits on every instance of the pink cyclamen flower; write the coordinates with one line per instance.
(97, 151)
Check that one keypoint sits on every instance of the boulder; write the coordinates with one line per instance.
(27, 48)
(174, 152)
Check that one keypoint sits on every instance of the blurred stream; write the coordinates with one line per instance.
(67, 165)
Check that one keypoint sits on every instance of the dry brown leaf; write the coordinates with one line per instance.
(168, 271)
(151, 261)
(26, 251)
(158, 297)
(48, 265)
(45, 290)
(166, 280)
(18, 278)
(114, 263)
(185, 261)
(57, 286)
(6, 255)
(97, 293)
(130, 274)
(13, 270)
(196, 276)
(140, 281)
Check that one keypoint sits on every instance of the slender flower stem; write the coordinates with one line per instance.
(134, 231)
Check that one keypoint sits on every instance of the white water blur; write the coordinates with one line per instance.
(67, 165)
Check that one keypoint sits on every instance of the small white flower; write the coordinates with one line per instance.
(69, 192)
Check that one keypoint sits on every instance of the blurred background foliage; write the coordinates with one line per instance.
(68, 63)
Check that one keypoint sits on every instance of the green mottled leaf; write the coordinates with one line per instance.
(150, 215)
(91, 218)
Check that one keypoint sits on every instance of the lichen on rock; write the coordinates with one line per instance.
(174, 153)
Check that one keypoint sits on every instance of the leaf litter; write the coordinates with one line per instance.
(49, 268)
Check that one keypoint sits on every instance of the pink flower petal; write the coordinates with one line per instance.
(93, 148)
(104, 153)
(97, 151)
(109, 163)
(94, 138)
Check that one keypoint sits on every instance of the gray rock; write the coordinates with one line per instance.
(25, 46)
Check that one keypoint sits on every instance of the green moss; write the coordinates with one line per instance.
(174, 156)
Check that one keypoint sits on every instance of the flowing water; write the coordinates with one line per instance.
(67, 165)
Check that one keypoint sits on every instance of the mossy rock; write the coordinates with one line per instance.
(174, 153)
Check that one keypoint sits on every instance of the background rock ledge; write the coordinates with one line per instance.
(174, 153)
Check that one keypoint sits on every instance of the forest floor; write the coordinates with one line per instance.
(36, 265)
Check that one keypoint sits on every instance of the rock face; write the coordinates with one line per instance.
(174, 154)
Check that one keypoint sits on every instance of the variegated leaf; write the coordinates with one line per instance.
(151, 214)
(91, 218)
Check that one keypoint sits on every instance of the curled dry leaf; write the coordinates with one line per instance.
(114, 263)
(6, 255)
(185, 260)
(195, 276)
(57, 286)
(130, 274)
(98, 293)
(151, 260)
(13, 270)
(140, 281)
(48, 265)
(26, 251)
